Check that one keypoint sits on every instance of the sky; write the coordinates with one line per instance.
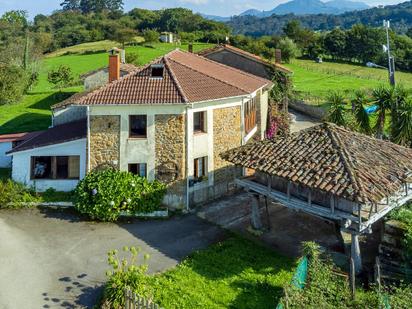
(213, 7)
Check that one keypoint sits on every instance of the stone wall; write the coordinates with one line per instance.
(104, 141)
(226, 136)
(170, 158)
(310, 110)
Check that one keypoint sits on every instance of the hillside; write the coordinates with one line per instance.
(400, 16)
(33, 112)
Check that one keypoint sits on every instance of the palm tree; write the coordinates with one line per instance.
(361, 116)
(383, 97)
(337, 109)
(400, 101)
(402, 130)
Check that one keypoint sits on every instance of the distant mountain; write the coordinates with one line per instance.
(216, 18)
(302, 7)
(400, 16)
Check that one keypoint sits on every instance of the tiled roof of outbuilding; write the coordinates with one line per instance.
(349, 165)
(187, 78)
(56, 135)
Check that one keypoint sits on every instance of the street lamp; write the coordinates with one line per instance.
(391, 59)
(387, 48)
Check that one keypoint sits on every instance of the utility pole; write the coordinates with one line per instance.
(391, 59)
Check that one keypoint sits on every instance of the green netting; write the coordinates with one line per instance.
(300, 276)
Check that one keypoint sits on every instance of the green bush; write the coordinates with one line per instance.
(103, 195)
(126, 273)
(14, 195)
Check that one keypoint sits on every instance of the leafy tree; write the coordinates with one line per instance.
(383, 97)
(151, 36)
(70, 5)
(13, 83)
(336, 113)
(402, 131)
(289, 49)
(361, 116)
(124, 35)
(61, 77)
(409, 32)
(335, 43)
(98, 6)
(18, 17)
(132, 58)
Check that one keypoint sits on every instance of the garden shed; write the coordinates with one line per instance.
(330, 172)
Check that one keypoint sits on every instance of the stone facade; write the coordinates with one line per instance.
(104, 141)
(226, 136)
(170, 158)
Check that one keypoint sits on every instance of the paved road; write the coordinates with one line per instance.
(302, 121)
(51, 259)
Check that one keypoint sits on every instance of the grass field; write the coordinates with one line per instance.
(33, 112)
(315, 81)
(236, 273)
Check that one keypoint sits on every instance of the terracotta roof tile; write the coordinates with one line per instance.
(330, 158)
(187, 78)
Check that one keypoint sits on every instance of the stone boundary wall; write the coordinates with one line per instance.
(304, 108)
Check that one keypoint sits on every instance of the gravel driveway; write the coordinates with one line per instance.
(51, 259)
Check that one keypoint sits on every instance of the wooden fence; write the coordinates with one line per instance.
(133, 301)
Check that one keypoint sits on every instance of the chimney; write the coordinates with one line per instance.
(114, 67)
(191, 48)
(278, 56)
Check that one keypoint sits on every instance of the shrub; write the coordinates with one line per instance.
(103, 195)
(126, 274)
(14, 195)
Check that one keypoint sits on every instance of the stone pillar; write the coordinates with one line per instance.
(355, 253)
(256, 220)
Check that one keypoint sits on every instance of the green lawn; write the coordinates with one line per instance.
(314, 81)
(33, 112)
(236, 273)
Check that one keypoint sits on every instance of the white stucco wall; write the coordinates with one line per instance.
(264, 109)
(22, 162)
(5, 161)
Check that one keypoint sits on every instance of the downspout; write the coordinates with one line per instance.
(187, 159)
(88, 138)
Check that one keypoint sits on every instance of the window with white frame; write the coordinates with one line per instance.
(199, 122)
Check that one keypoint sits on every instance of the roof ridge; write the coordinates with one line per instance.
(346, 160)
(212, 77)
(175, 80)
(229, 68)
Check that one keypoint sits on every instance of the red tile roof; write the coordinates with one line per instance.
(245, 54)
(349, 165)
(188, 78)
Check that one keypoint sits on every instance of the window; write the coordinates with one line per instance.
(200, 169)
(199, 124)
(139, 169)
(62, 167)
(250, 115)
(157, 71)
(138, 126)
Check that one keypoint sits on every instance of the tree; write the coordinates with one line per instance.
(409, 32)
(361, 116)
(383, 97)
(97, 6)
(124, 35)
(335, 43)
(402, 132)
(70, 5)
(13, 83)
(336, 113)
(289, 49)
(60, 78)
(151, 36)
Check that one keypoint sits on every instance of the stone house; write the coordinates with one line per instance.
(240, 59)
(169, 120)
